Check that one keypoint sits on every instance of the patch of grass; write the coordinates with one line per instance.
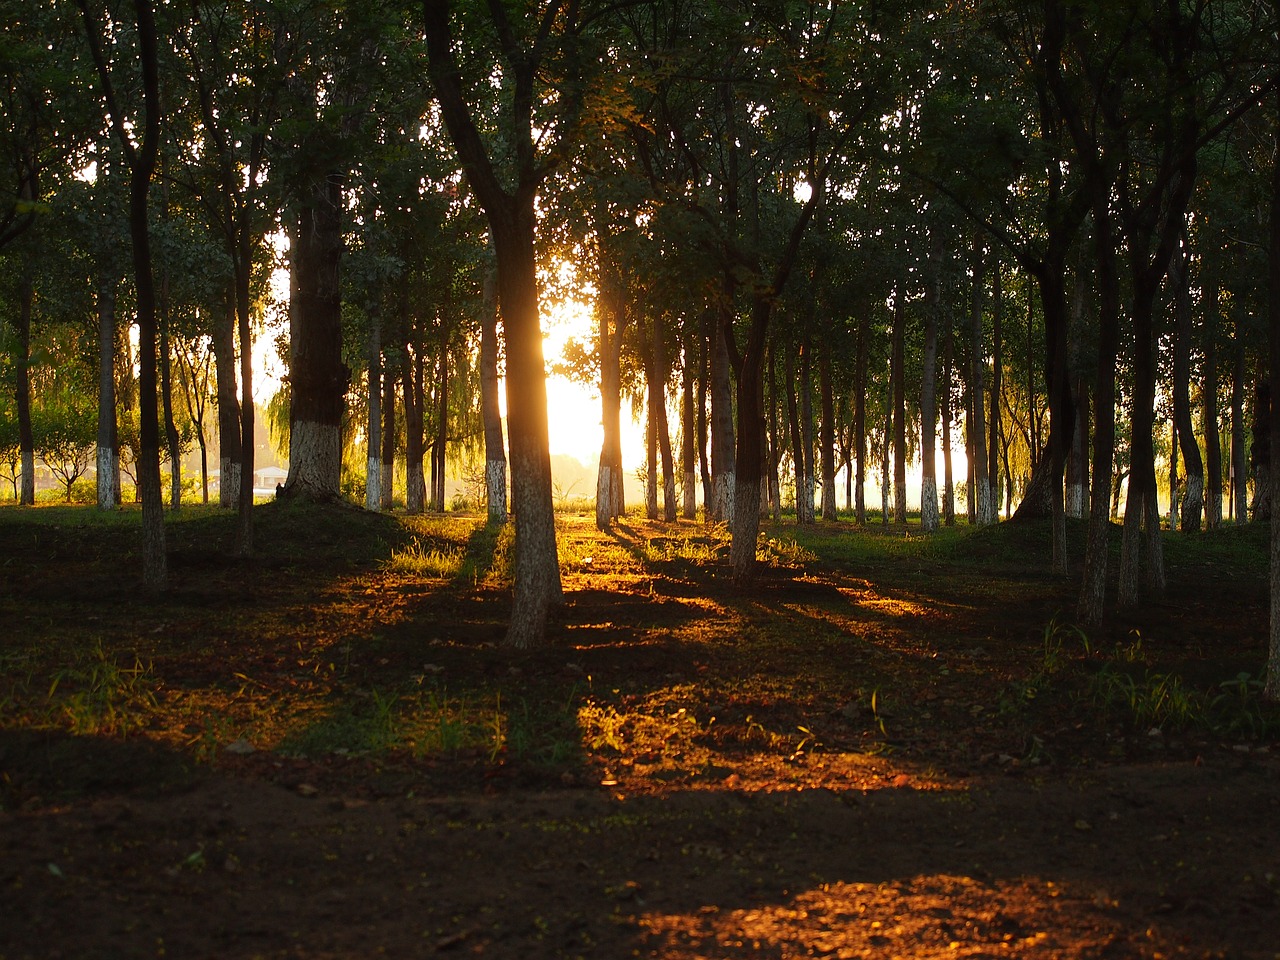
(419, 560)
(96, 696)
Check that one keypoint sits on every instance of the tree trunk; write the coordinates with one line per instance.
(1239, 463)
(650, 442)
(1141, 518)
(387, 472)
(860, 420)
(1193, 504)
(793, 429)
(806, 429)
(704, 385)
(495, 451)
(230, 451)
(995, 436)
(108, 437)
(944, 414)
(898, 375)
(745, 521)
(984, 512)
(411, 380)
(1094, 586)
(929, 395)
(1209, 404)
(318, 378)
(1260, 448)
(723, 455)
(613, 317)
(440, 445)
(658, 400)
(688, 442)
(373, 420)
(172, 441)
(828, 435)
(1271, 689)
(22, 391)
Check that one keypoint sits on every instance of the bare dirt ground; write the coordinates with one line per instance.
(886, 753)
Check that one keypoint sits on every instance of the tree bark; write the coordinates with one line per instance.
(612, 324)
(1193, 503)
(1210, 402)
(1239, 462)
(411, 385)
(723, 448)
(495, 451)
(230, 450)
(108, 478)
(984, 512)
(387, 473)
(996, 434)
(929, 520)
(512, 222)
(658, 399)
(828, 434)
(860, 420)
(688, 442)
(898, 376)
(318, 378)
(22, 391)
(944, 413)
(373, 396)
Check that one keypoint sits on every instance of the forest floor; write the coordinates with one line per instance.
(891, 746)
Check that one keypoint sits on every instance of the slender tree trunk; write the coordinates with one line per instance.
(373, 421)
(775, 439)
(613, 318)
(650, 442)
(929, 396)
(1141, 508)
(1173, 475)
(806, 427)
(1093, 588)
(984, 512)
(172, 440)
(495, 451)
(108, 442)
(1193, 504)
(441, 442)
(898, 375)
(995, 436)
(22, 391)
(1239, 463)
(828, 438)
(387, 474)
(688, 441)
(704, 385)
(1271, 689)
(1209, 404)
(860, 420)
(723, 448)
(793, 429)
(1260, 448)
(948, 469)
(415, 482)
(230, 452)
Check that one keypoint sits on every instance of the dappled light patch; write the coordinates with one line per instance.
(926, 916)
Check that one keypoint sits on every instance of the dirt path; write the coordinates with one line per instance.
(1174, 860)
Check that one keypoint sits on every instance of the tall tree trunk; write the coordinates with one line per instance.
(688, 442)
(495, 451)
(1173, 475)
(1193, 504)
(172, 441)
(995, 436)
(373, 407)
(828, 437)
(661, 369)
(774, 480)
(1141, 509)
(806, 430)
(22, 391)
(441, 442)
(613, 319)
(318, 378)
(704, 385)
(1093, 588)
(984, 512)
(108, 432)
(1209, 404)
(650, 440)
(1239, 463)
(860, 420)
(387, 473)
(411, 384)
(230, 449)
(1271, 688)
(723, 447)
(898, 376)
(793, 429)
(929, 395)
(1260, 447)
(944, 413)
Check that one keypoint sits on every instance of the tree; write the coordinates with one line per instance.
(141, 160)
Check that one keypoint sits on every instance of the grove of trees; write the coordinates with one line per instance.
(824, 240)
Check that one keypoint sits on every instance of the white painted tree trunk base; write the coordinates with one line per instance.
(373, 484)
(28, 496)
(315, 460)
(495, 486)
(108, 479)
(723, 497)
(929, 505)
(228, 484)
